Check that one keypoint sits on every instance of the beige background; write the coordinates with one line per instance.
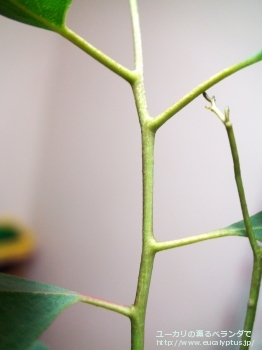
(70, 163)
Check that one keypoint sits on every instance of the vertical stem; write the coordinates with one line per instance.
(252, 303)
(147, 258)
(240, 187)
(136, 36)
(256, 272)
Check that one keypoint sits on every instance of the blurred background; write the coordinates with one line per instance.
(71, 165)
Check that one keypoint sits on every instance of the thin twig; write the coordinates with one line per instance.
(160, 246)
(121, 309)
(98, 55)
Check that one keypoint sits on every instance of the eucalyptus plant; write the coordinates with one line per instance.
(27, 308)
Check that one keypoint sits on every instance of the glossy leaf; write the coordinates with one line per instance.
(47, 14)
(38, 346)
(239, 227)
(27, 308)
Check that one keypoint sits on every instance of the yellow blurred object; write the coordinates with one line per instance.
(17, 242)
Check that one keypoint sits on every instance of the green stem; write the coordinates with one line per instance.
(252, 303)
(98, 55)
(160, 246)
(147, 258)
(136, 36)
(138, 83)
(163, 117)
(256, 273)
(121, 309)
(67, 33)
(240, 188)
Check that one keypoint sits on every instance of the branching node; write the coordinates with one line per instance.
(224, 117)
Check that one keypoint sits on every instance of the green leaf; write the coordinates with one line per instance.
(239, 227)
(47, 14)
(27, 308)
(38, 346)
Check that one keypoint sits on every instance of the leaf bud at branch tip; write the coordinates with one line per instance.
(227, 110)
(207, 97)
(223, 117)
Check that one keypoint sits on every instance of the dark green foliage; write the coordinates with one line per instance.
(239, 227)
(27, 308)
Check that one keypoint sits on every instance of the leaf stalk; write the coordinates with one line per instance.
(161, 246)
(98, 55)
(121, 309)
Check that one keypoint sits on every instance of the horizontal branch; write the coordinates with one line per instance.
(170, 112)
(121, 309)
(160, 246)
